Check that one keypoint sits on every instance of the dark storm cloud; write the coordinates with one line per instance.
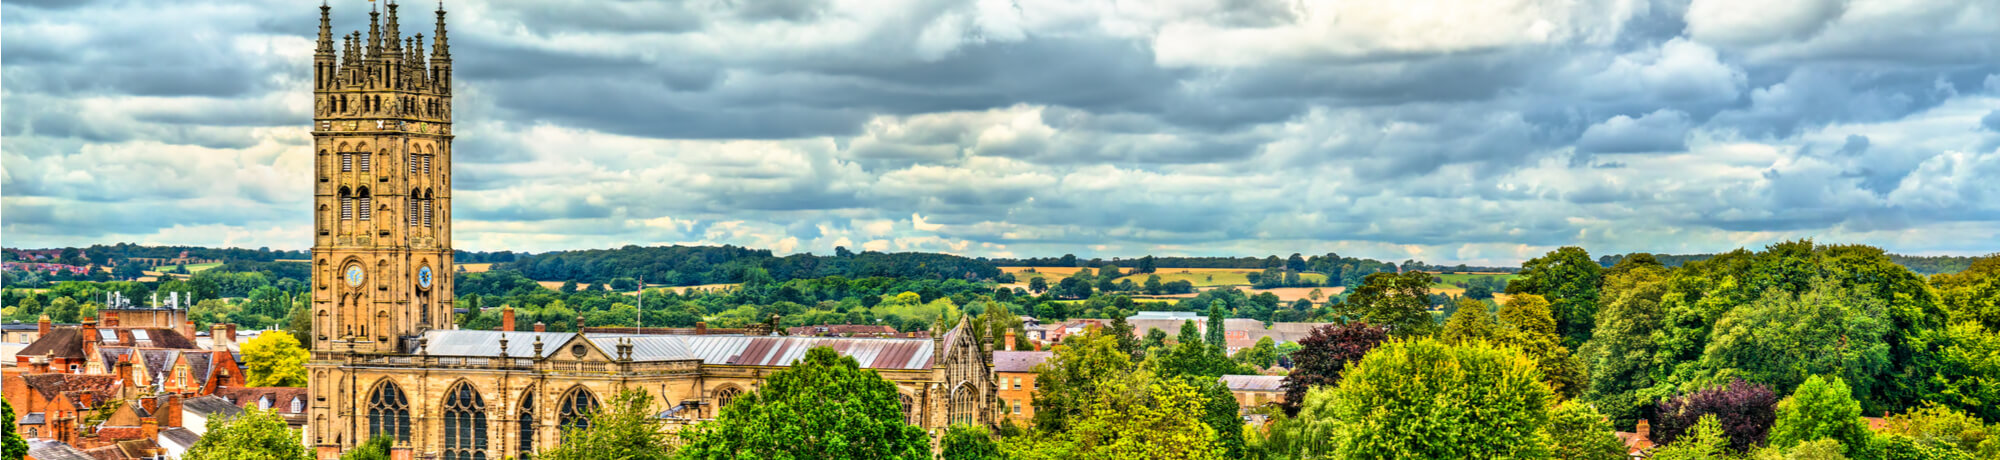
(998, 127)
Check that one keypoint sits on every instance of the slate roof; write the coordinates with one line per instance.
(61, 342)
(210, 406)
(43, 449)
(181, 436)
(837, 330)
(1019, 361)
(874, 353)
(52, 385)
(1253, 382)
(33, 418)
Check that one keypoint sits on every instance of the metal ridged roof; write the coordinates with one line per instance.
(486, 344)
(871, 353)
(1253, 382)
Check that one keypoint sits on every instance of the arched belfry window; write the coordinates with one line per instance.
(366, 204)
(963, 405)
(366, 158)
(413, 209)
(527, 423)
(346, 204)
(464, 423)
(427, 207)
(577, 404)
(346, 161)
(389, 412)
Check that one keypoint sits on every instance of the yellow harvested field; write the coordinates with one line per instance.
(476, 268)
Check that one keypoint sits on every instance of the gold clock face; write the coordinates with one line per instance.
(355, 276)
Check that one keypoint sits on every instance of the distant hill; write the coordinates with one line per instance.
(696, 265)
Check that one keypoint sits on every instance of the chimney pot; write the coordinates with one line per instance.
(507, 319)
(42, 326)
(1009, 346)
(1644, 430)
(539, 327)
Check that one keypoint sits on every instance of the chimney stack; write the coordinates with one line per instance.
(232, 332)
(89, 329)
(149, 428)
(539, 327)
(172, 414)
(700, 328)
(187, 329)
(42, 327)
(111, 318)
(1645, 430)
(1009, 346)
(507, 319)
(218, 337)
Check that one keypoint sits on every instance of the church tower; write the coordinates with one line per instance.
(382, 269)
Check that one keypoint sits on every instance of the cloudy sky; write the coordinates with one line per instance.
(1479, 131)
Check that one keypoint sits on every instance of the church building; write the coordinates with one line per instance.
(387, 359)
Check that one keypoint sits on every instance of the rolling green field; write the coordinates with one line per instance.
(1456, 277)
(199, 267)
(1207, 277)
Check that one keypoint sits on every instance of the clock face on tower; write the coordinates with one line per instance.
(355, 276)
(424, 277)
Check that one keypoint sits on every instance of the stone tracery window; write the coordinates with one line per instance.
(527, 423)
(909, 409)
(389, 412)
(576, 408)
(963, 405)
(724, 397)
(464, 423)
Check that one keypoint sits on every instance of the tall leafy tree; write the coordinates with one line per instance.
(1569, 279)
(1324, 354)
(1478, 402)
(1471, 322)
(1127, 341)
(1620, 354)
(275, 360)
(823, 406)
(623, 428)
(1577, 431)
(969, 442)
(1525, 322)
(251, 435)
(1822, 408)
(1217, 336)
(1397, 301)
(1069, 379)
(12, 447)
(1780, 337)
(1128, 415)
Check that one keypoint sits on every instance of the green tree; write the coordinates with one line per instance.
(1128, 416)
(1478, 402)
(1127, 341)
(1038, 284)
(1398, 301)
(1067, 382)
(824, 406)
(568, 287)
(1569, 279)
(377, 448)
(1217, 334)
(251, 435)
(1621, 351)
(1822, 408)
(1222, 415)
(12, 447)
(1577, 431)
(299, 322)
(1703, 442)
(1470, 323)
(1526, 322)
(1780, 337)
(29, 307)
(62, 310)
(275, 360)
(969, 442)
(624, 428)
(1939, 426)
(1262, 355)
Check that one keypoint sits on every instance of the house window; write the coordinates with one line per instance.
(1017, 407)
(1017, 383)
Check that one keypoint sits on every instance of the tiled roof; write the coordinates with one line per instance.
(61, 342)
(1019, 361)
(248, 397)
(53, 385)
(1253, 382)
(119, 432)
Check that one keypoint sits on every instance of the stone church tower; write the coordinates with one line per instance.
(382, 187)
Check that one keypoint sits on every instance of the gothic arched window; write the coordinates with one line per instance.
(577, 404)
(389, 412)
(527, 423)
(909, 409)
(464, 423)
(963, 406)
(724, 397)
